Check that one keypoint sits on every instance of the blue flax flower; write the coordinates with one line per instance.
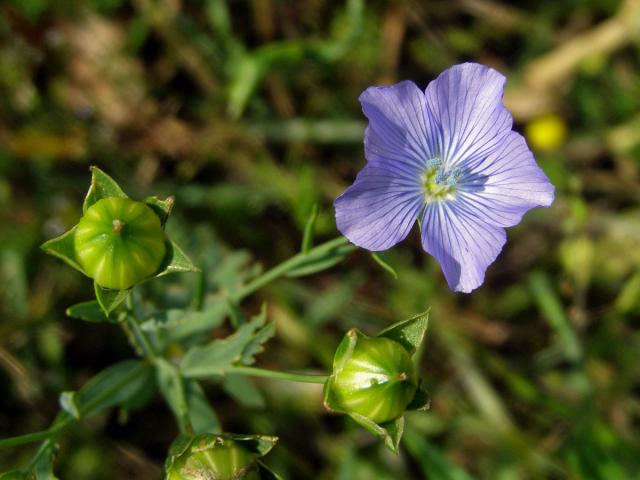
(449, 157)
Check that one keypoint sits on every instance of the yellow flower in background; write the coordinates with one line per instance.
(546, 132)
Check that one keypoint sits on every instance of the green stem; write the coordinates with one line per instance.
(181, 410)
(182, 415)
(291, 377)
(36, 436)
(139, 335)
(291, 264)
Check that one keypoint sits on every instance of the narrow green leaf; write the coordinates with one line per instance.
(13, 475)
(309, 229)
(318, 263)
(69, 403)
(88, 311)
(168, 320)
(176, 261)
(553, 312)
(409, 333)
(162, 208)
(109, 300)
(214, 358)
(102, 186)
(118, 385)
(388, 268)
(390, 432)
(64, 248)
(176, 325)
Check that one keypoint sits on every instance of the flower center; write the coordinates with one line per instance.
(438, 182)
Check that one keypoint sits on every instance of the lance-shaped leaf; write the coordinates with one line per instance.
(312, 263)
(408, 333)
(175, 325)
(122, 384)
(102, 186)
(88, 311)
(64, 248)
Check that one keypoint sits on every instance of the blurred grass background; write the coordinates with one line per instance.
(247, 111)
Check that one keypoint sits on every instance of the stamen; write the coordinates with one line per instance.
(439, 182)
(434, 163)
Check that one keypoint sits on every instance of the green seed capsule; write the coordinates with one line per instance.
(219, 459)
(119, 242)
(377, 380)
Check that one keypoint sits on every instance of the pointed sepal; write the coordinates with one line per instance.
(109, 300)
(408, 333)
(421, 400)
(102, 186)
(390, 432)
(64, 248)
(162, 208)
(175, 261)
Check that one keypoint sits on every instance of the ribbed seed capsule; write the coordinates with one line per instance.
(119, 242)
(222, 459)
(378, 380)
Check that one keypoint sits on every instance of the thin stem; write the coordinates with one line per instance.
(181, 406)
(291, 377)
(184, 420)
(139, 335)
(182, 415)
(294, 262)
(36, 436)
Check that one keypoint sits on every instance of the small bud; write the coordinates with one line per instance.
(372, 377)
(119, 242)
(219, 457)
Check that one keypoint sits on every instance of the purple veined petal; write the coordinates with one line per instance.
(506, 184)
(379, 209)
(465, 102)
(398, 133)
(461, 241)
